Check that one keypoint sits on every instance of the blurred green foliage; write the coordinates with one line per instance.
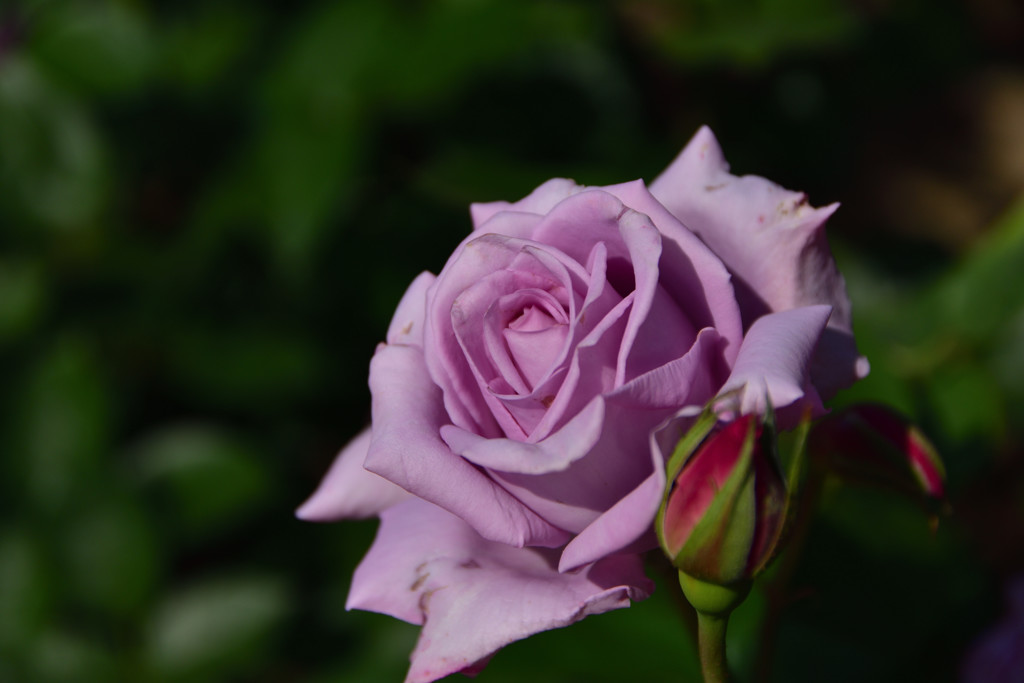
(209, 209)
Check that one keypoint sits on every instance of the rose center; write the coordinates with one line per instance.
(536, 337)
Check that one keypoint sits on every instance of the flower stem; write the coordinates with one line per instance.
(711, 637)
(713, 603)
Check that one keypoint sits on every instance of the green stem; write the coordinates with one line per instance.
(714, 603)
(711, 636)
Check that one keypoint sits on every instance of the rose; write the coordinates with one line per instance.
(514, 456)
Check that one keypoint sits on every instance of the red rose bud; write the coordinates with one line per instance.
(724, 511)
(875, 444)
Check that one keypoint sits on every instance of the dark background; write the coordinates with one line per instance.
(208, 210)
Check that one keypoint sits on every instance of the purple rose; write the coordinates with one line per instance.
(512, 457)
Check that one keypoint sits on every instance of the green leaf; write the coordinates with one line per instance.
(60, 430)
(200, 49)
(98, 47)
(52, 167)
(213, 479)
(110, 555)
(23, 297)
(60, 656)
(967, 401)
(255, 367)
(980, 296)
(750, 34)
(26, 591)
(218, 629)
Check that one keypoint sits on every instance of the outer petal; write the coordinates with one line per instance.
(774, 360)
(540, 201)
(407, 323)
(689, 271)
(772, 241)
(621, 525)
(474, 596)
(348, 490)
(408, 413)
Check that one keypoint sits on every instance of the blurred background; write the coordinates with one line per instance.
(208, 210)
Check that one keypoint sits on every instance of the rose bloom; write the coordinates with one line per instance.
(526, 396)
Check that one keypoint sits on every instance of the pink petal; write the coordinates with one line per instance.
(407, 323)
(771, 239)
(479, 260)
(540, 201)
(622, 525)
(575, 475)
(674, 332)
(474, 596)
(774, 360)
(408, 413)
(628, 522)
(348, 490)
(493, 271)
(690, 272)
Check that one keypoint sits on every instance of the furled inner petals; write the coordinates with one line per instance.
(473, 313)
(537, 317)
(528, 313)
(548, 398)
(536, 339)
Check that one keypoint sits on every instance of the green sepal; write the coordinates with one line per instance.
(796, 467)
(685, 447)
(718, 547)
(713, 598)
(688, 444)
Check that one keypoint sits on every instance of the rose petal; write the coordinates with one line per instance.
(773, 361)
(348, 490)
(579, 472)
(406, 449)
(480, 261)
(518, 268)
(770, 238)
(668, 334)
(628, 521)
(691, 379)
(563, 395)
(591, 370)
(621, 525)
(694, 276)
(407, 323)
(540, 201)
(474, 596)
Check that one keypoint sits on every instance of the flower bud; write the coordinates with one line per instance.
(724, 510)
(875, 444)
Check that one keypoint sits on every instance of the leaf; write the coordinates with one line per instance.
(217, 628)
(59, 656)
(52, 166)
(981, 296)
(213, 478)
(60, 429)
(23, 297)
(110, 556)
(99, 48)
(26, 591)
